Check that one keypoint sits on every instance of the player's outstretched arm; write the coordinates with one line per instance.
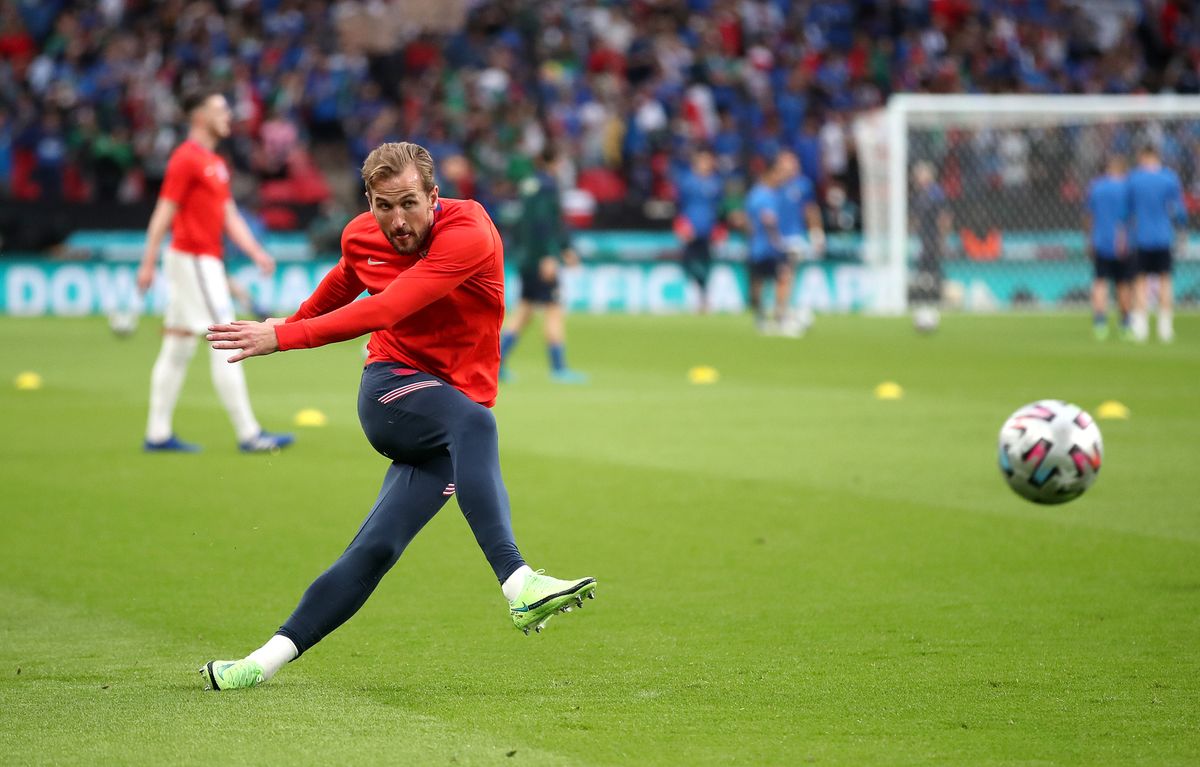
(408, 293)
(251, 339)
(457, 254)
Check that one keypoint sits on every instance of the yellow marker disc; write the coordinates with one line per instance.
(703, 374)
(888, 390)
(28, 381)
(311, 417)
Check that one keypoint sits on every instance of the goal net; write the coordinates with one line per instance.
(978, 202)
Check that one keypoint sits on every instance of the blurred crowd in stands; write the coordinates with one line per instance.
(89, 90)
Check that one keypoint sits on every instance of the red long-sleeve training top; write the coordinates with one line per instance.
(439, 312)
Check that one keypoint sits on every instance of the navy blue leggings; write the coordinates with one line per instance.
(440, 444)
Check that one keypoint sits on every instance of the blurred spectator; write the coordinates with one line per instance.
(111, 158)
(325, 229)
(17, 46)
(808, 150)
(841, 214)
(454, 178)
(279, 138)
(49, 147)
(834, 147)
(6, 154)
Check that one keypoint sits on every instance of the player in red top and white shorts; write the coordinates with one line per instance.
(196, 205)
(434, 269)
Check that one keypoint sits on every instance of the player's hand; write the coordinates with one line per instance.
(265, 264)
(548, 268)
(252, 339)
(273, 321)
(145, 277)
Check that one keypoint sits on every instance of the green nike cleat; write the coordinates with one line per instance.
(542, 596)
(231, 674)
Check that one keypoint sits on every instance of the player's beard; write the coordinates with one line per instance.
(406, 246)
(413, 244)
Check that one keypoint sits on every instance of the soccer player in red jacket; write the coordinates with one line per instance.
(434, 269)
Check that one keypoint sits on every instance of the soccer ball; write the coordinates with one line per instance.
(926, 319)
(1050, 451)
(123, 323)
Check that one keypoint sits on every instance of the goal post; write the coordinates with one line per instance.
(977, 202)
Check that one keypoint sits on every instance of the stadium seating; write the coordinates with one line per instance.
(627, 88)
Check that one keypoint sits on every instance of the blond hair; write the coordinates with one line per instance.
(391, 159)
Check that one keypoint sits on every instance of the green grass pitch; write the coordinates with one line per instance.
(791, 571)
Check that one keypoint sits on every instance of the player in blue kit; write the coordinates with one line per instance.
(768, 259)
(1108, 245)
(800, 223)
(1155, 208)
(699, 191)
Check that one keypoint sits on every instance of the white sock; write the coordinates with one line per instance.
(1139, 323)
(514, 583)
(166, 379)
(1166, 328)
(272, 656)
(230, 383)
